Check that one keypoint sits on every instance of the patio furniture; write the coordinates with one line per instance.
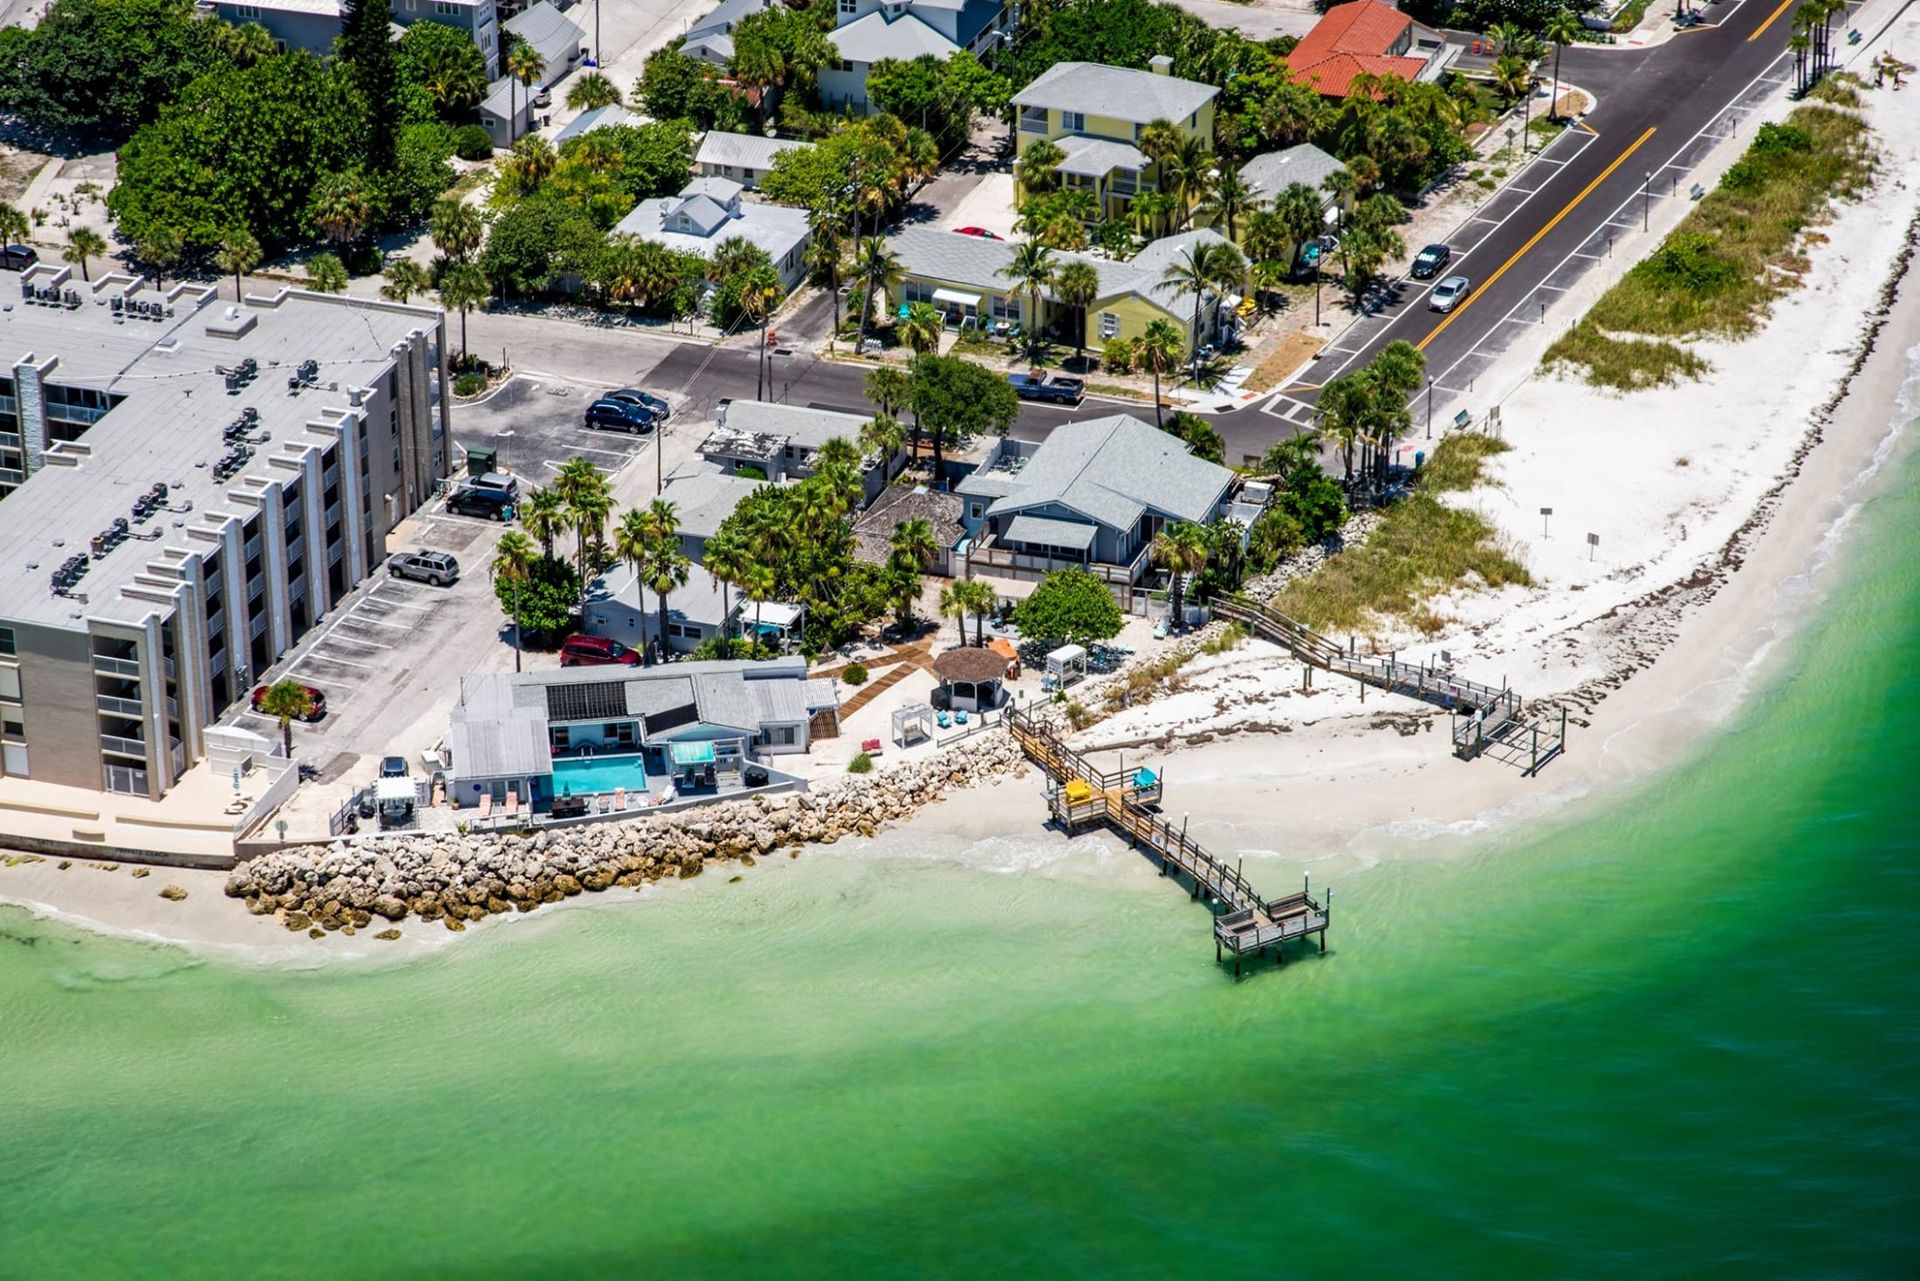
(486, 806)
(944, 721)
(513, 805)
(620, 798)
(960, 717)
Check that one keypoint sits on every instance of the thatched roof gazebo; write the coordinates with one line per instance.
(971, 678)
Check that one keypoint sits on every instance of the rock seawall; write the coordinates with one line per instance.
(454, 878)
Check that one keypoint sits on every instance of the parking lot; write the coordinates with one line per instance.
(535, 421)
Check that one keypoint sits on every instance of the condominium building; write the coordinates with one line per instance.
(189, 485)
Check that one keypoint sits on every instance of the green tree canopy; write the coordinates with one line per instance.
(953, 399)
(535, 240)
(1070, 606)
(366, 53)
(673, 85)
(106, 64)
(940, 97)
(546, 597)
(440, 72)
(240, 148)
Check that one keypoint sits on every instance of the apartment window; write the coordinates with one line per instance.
(249, 11)
(9, 685)
(6, 641)
(13, 760)
(1109, 325)
(783, 735)
(974, 511)
(446, 9)
(849, 6)
(1073, 121)
(13, 727)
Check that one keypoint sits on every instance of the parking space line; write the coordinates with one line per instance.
(344, 662)
(356, 616)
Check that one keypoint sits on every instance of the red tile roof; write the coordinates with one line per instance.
(1349, 40)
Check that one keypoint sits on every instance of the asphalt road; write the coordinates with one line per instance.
(1658, 112)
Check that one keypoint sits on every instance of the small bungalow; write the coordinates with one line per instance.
(710, 39)
(964, 277)
(709, 212)
(620, 607)
(608, 117)
(1092, 495)
(778, 442)
(744, 158)
(507, 111)
(703, 496)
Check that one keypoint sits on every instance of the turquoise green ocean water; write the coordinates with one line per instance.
(1676, 1033)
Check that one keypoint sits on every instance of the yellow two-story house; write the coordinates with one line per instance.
(1096, 114)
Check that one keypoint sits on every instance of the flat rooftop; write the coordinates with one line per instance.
(168, 357)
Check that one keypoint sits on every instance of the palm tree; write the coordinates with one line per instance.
(590, 91)
(525, 65)
(544, 513)
(1187, 174)
(287, 701)
(84, 243)
(457, 227)
(758, 582)
(1341, 185)
(326, 274)
(341, 208)
(922, 327)
(824, 256)
(14, 225)
(583, 489)
(667, 569)
(882, 435)
(888, 388)
(1181, 550)
(1036, 167)
(876, 267)
(530, 163)
(513, 563)
(1160, 351)
(1301, 213)
(405, 278)
(1158, 140)
(1230, 200)
(160, 249)
(247, 43)
(239, 253)
(455, 81)
(980, 598)
(1206, 267)
(726, 558)
(1077, 284)
(1563, 28)
(633, 543)
(954, 599)
(913, 543)
(462, 288)
(1032, 270)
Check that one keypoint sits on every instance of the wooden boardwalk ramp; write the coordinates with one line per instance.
(1079, 794)
(1486, 721)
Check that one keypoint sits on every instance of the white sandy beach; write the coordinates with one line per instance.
(1705, 559)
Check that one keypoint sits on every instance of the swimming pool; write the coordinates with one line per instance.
(585, 775)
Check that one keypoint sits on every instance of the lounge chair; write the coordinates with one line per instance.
(960, 718)
(486, 806)
(513, 806)
(943, 720)
(620, 798)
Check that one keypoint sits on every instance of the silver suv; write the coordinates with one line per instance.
(437, 568)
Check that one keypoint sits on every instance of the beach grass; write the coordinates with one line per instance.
(1717, 275)
(1421, 549)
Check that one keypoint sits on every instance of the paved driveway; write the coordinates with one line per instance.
(537, 422)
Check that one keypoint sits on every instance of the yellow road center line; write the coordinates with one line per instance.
(1521, 252)
(1773, 17)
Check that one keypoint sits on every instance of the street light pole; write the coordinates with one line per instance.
(1429, 406)
(1646, 201)
(516, 624)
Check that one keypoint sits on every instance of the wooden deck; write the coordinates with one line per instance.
(1486, 721)
(1080, 795)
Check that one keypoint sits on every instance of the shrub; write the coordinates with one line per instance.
(1456, 461)
(855, 674)
(469, 384)
(473, 142)
(1068, 605)
(861, 764)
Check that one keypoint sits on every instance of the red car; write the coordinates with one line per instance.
(317, 697)
(976, 231)
(597, 651)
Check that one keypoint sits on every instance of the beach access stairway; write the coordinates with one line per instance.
(1486, 721)
(1079, 794)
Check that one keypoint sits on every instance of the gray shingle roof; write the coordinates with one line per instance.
(551, 33)
(723, 700)
(1097, 157)
(704, 501)
(779, 701)
(802, 427)
(776, 229)
(873, 38)
(750, 151)
(1051, 533)
(598, 118)
(726, 16)
(1112, 470)
(977, 261)
(1276, 170)
(1115, 92)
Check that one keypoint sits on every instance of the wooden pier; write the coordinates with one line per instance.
(1486, 721)
(1079, 794)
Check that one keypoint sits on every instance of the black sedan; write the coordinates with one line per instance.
(1428, 262)
(653, 404)
(619, 415)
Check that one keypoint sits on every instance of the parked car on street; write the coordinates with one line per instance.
(655, 405)
(597, 651)
(619, 415)
(437, 568)
(314, 696)
(1447, 294)
(1428, 262)
(1050, 387)
(18, 257)
(982, 232)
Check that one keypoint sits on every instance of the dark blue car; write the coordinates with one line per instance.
(619, 415)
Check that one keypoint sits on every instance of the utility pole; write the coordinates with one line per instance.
(1646, 201)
